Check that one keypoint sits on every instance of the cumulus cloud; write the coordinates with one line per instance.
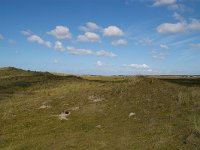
(179, 27)
(26, 32)
(119, 42)
(171, 28)
(89, 37)
(164, 46)
(36, 39)
(146, 41)
(60, 32)
(58, 46)
(138, 66)
(163, 2)
(194, 25)
(99, 63)
(75, 51)
(1, 37)
(105, 53)
(89, 26)
(80, 51)
(112, 31)
(173, 5)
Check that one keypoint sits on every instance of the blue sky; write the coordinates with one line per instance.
(106, 37)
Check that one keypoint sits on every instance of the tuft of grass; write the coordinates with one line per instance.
(183, 98)
(196, 124)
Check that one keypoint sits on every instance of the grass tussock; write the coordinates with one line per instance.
(197, 124)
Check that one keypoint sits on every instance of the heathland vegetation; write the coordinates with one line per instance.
(41, 110)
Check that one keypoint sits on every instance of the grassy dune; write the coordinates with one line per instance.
(104, 113)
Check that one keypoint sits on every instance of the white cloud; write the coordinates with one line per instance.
(89, 37)
(33, 38)
(36, 39)
(48, 44)
(149, 70)
(146, 41)
(138, 66)
(1, 37)
(89, 26)
(80, 51)
(174, 5)
(163, 2)
(112, 31)
(178, 17)
(60, 32)
(179, 27)
(164, 46)
(75, 51)
(179, 7)
(58, 46)
(105, 53)
(194, 25)
(157, 55)
(119, 42)
(99, 63)
(171, 28)
(26, 32)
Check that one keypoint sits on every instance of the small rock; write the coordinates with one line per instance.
(131, 114)
(61, 97)
(98, 126)
(44, 106)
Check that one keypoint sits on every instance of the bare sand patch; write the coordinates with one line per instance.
(63, 115)
(95, 99)
(45, 105)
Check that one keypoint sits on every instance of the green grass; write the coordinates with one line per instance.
(166, 112)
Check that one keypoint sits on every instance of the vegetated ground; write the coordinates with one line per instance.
(52, 112)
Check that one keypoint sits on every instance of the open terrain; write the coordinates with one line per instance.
(40, 110)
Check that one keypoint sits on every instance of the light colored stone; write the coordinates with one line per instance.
(98, 126)
(131, 114)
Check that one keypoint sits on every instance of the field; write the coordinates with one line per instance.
(44, 111)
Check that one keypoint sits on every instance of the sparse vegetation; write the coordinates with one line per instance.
(197, 125)
(164, 112)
